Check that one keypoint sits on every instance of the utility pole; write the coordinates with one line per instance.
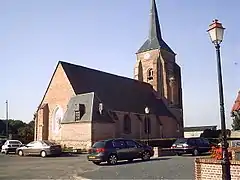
(7, 119)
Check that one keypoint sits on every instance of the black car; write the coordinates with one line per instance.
(113, 150)
(194, 146)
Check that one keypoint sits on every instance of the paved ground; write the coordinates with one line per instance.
(77, 167)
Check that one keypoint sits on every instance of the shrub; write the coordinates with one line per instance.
(216, 153)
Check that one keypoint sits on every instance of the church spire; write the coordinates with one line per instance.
(155, 31)
(154, 40)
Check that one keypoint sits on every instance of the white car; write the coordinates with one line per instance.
(11, 146)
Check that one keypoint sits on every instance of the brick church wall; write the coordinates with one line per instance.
(76, 135)
(59, 93)
(101, 131)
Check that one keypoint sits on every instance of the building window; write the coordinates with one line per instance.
(79, 113)
(150, 74)
(147, 126)
(127, 126)
(57, 119)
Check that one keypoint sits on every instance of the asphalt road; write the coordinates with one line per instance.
(77, 167)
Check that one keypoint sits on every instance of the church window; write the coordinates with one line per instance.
(147, 126)
(80, 112)
(127, 124)
(150, 74)
(57, 119)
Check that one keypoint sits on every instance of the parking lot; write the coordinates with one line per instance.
(77, 167)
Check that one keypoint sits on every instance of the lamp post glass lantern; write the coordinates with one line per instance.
(147, 123)
(216, 32)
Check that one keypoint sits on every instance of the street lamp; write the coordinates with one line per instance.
(147, 120)
(216, 32)
(7, 129)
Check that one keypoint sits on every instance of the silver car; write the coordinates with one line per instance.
(10, 146)
(43, 148)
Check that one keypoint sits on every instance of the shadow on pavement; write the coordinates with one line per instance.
(201, 155)
(135, 161)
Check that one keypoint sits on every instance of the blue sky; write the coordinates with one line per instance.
(105, 34)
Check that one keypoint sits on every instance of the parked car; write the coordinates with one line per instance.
(10, 146)
(194, 146)
(112, 150)
(43, 148)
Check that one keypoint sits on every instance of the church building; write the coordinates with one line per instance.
(82, 105)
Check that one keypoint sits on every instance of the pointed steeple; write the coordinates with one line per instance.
(155, 31)
(154, 40)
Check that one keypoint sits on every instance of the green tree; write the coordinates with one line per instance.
(2, 127)
(26, 133)
(15, 125)
(236, 120)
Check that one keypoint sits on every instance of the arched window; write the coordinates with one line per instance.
(127, 125)
(57, 119)
(150, 74)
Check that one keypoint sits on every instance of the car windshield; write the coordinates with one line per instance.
(15, 142)
(100, 144)
(49, 143)
(181, 141)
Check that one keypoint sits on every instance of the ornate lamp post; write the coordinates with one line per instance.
(216, 32)
(147, 120)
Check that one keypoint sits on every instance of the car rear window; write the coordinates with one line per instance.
(49, 143)
(100, 144)
(14, 142)
(180, 141)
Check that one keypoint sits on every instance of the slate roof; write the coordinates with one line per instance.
(155, 40)
(199, 128)
(116, 92)
(236, 106)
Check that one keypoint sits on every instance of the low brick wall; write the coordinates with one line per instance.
(208, 168)
(159, 152)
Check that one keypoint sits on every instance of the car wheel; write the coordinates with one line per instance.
(43, 154)
(195, 152)
(20, 153)
(112, 159)
(146, 156)
(6, 152)
(96, 162)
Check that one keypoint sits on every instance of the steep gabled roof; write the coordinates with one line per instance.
(236, 106)
(116, 92)
(155, 40)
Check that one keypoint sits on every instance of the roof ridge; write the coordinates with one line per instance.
(119, 76)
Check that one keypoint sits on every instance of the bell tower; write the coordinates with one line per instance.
(156, 64)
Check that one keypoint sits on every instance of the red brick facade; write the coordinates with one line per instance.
(81, 135)
(212, 169)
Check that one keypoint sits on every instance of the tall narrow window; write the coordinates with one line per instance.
(127, 125)
(150, 74)
(79, 113)
(147, 125)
